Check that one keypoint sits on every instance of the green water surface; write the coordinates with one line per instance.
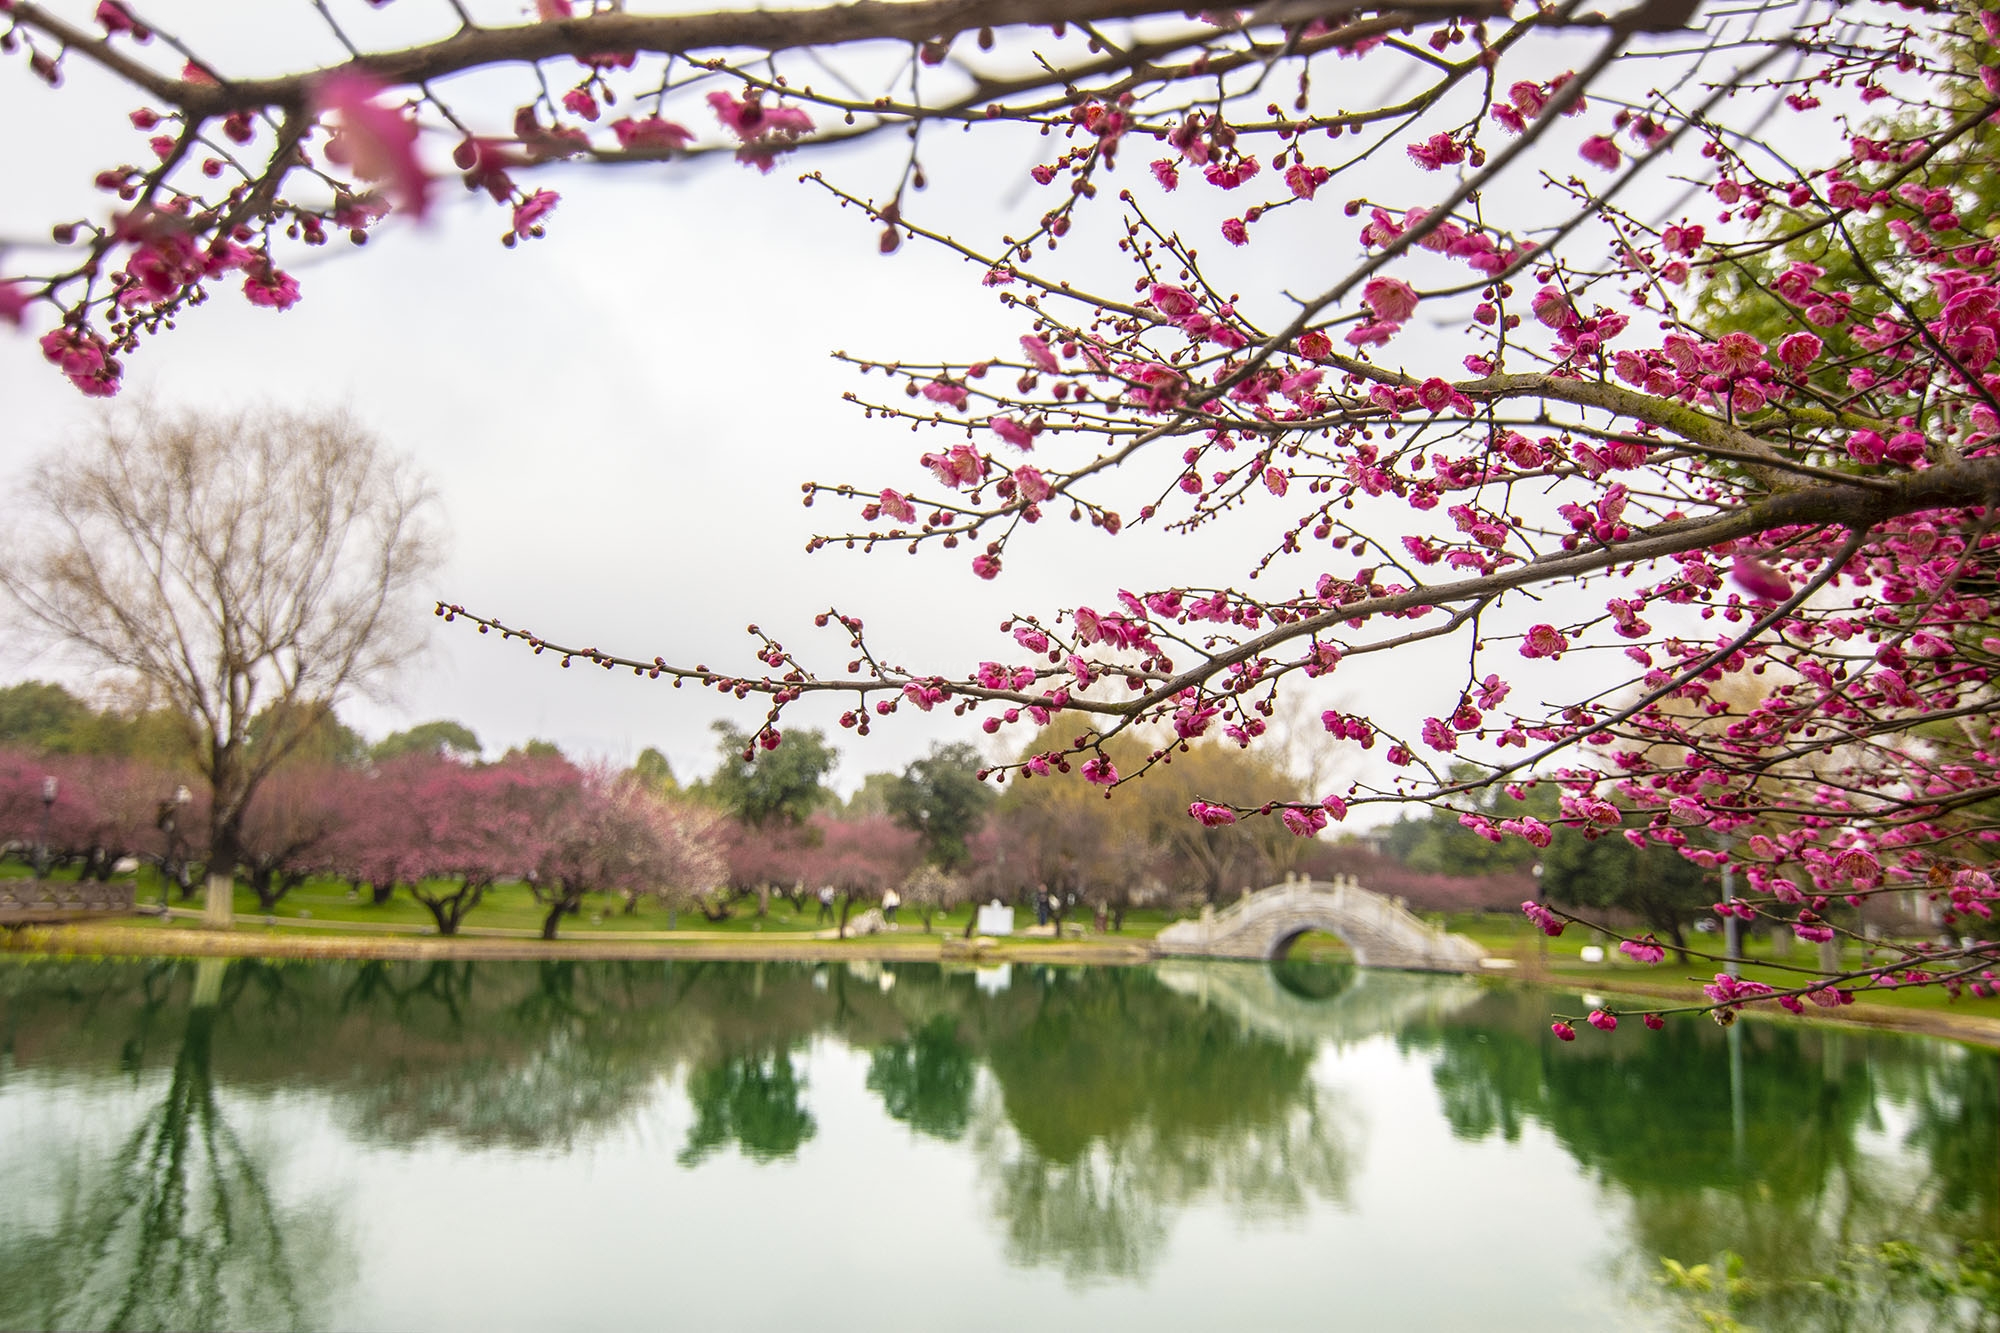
(891, 1146)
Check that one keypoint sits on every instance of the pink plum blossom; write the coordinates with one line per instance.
(651, 133)
(1600, 151)
(1392, 299)
(1759, 579)
(375, 142)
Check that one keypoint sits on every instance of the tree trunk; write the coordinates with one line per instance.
(219, 912)
(447, 920)
(225, 848)
(554, 919)
(381, 893)
(846, 906)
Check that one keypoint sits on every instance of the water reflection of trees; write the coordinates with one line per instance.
(1106, 1103)
(1100, 1105)
(176, 1227)
(1118, 1103)
(1801, 1149)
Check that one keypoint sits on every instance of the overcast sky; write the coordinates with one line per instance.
(617, 418)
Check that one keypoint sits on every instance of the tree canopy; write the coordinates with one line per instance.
(943, 799)
(433, 738)
(761, 784)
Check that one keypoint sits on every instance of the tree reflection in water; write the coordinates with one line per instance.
(177, 1228)
(926, 1080)
(1117, 1104)
(1100, 1105)
(1844, 1143)
(751, 1099)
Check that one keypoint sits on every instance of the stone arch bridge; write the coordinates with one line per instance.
(1262, 926)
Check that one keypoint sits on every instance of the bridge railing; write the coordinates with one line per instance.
(1355, 902)
(1374, 926)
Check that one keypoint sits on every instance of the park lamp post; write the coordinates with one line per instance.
(49, 788)
(1732, 929)
(1536, 871)
(170, 813)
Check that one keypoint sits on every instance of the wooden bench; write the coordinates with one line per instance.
(25, 902)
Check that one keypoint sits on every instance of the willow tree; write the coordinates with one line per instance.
(251, 567)
(1460, 387)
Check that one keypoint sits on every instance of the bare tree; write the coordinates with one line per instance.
(234, 563)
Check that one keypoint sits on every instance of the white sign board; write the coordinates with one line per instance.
(995, 919)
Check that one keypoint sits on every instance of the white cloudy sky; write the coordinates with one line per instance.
(617, 418)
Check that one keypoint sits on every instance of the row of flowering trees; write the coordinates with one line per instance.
(445, 831)
(442, 830)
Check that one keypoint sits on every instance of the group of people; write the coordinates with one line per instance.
(891, 900)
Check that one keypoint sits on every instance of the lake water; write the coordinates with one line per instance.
(834, 1146)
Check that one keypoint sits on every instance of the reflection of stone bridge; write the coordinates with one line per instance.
(1262, 925)
(1369, 1005)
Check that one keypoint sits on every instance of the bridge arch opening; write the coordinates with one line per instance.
(1318, 940)
(1312, 940)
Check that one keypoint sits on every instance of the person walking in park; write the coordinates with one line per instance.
(891, 900)
(825, 904)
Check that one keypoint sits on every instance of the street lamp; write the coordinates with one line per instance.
(170, 812)
(49, 786)
(1732, 930)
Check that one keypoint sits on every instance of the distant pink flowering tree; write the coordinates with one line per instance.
(588, 831)
(1730, 589)
(106, 808)
(682, 851)
(862, 857)
(446, 831)
(289, 828)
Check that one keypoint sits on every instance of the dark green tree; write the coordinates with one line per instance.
(652, 771)
(941, 799)
(1657, 884)
(872, 796)
(41, 715)
(1439, 844)
(311, 732)
(783, 786)
(433, 738)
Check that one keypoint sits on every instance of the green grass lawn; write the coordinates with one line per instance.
(512, 907)
(1509, 935)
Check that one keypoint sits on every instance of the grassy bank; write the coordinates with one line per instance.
(509, 909)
